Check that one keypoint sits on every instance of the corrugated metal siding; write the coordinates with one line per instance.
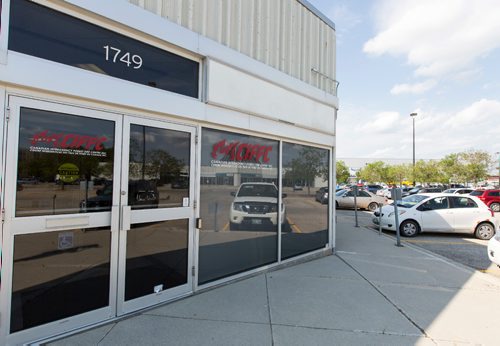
(280, 33)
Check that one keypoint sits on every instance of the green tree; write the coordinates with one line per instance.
(310, 164)
(399, 173)
(476, 164)
(374, 172)
(342, 172)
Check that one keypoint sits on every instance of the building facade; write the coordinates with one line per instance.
(155, 148)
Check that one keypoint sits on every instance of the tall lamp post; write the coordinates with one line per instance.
(413, 115)
(498, 153)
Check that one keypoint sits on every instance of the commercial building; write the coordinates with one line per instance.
(152, 149)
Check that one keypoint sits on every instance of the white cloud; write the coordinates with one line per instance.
(439, 38)
(417, 88)
(438, 133)
(480, 112)
(383, 122)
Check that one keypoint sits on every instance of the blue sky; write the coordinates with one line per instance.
(440, 59)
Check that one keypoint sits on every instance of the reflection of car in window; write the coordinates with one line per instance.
(141, 194)
(255, 206)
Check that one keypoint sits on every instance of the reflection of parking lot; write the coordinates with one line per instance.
(304, 214)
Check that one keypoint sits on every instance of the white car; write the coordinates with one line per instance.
(440, 213)
(255, 206)
(459, 191)
(494, 249)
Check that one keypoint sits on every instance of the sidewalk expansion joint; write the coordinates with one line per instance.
(422, 330)
(207, 319)
(269, 311)
(359, 331)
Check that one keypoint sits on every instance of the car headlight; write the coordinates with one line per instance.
(400, 212)
(239, 206)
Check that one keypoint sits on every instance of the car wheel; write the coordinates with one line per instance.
(484, 231)
(495, 207)
(372, 206)
(409, 228)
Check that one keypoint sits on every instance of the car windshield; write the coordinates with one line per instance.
(410, 201)
(258, 190)
(450, 191)
(477, 193)
(415, 190)
(341, 192)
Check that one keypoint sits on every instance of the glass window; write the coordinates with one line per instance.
(65, 163)
(238, 204)
(462, 202)
(436, 203)
(59, 274)
(364, 194)
(306, 222)
(42, 32)
(157, 254)
(158, 167)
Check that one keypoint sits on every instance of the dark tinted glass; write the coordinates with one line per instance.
(239, 204)
(158, 167)
(306, 226)
(156, 257)
(65, 163)
(477, 193)
(48, 34)
(462, 202)
(59, 274)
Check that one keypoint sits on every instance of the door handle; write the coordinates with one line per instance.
(125, 219)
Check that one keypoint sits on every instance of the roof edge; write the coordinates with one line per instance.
(318, 13)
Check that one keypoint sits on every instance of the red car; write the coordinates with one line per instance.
(490, 197)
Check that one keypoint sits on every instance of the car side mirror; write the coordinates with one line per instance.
(423, 208)
(283, 195)
(233, 194)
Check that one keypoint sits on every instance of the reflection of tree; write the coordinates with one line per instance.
(44, 166)
(309, 164)
(157, 164)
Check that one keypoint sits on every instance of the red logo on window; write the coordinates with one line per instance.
(69, 140)
(242, 151)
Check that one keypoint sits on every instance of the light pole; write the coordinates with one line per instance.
(498, 153)
(413, 115)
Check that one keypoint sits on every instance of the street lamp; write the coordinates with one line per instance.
(413, 115)
(498, 153)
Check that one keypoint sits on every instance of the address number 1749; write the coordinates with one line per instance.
(117, 55)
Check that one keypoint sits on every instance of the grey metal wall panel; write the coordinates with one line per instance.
(285, 34)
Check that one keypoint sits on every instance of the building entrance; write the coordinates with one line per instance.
(98, 216)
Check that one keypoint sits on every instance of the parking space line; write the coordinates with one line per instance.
(439, 242)
(226, 227)
(293, 226)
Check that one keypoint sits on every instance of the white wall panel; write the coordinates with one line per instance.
(234, 89)
(281, 33)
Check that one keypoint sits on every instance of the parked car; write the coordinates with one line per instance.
(440, 213)
(494, 249)
(373, 188)
(490, 197)
(298, 187)
(255, 205)
(322, 195)
(425, 190)
(459, 191)
(142, 194)
(364, 200)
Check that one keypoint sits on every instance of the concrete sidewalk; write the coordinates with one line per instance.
(370, 293)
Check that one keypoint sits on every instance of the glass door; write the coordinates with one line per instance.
(98, 217)
(61, 218)
(156, 231)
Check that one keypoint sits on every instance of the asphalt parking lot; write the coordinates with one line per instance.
(462, 248)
